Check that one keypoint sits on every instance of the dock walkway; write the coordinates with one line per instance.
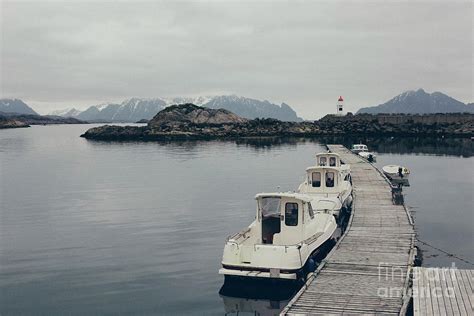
(443, 291)
(368, 271)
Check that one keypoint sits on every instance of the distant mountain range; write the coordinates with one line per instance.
(15, 106)
(136, 109)
(139, 109)
(24, 120)
(420, 102)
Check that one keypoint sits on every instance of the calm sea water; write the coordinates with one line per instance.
(138, 228)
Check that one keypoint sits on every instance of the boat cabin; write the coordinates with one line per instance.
(323, 179)
(359, 148)
(283, 217)
(328, 159)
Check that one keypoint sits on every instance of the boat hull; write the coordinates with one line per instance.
(371, 157)
(258, 273)
(392, 176)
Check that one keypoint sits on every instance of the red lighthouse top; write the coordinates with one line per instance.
(340, 99)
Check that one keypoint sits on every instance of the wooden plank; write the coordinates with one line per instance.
(467, 285)
(421, 294)
(442, 302)
(466, 290)
(416, 297)
(457, 292)
(448, 303)
(452, 298)
(427, 294)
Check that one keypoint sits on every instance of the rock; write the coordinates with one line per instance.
(190, 113)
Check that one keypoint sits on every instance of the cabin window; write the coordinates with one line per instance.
(329, 179)
(316, 179)
(291, 214)
(310, 211)
(322, 161)
(332, 161)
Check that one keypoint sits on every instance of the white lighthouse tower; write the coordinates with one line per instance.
(340, 106)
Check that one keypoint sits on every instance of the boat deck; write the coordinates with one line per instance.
(368, 271)
(443, 291)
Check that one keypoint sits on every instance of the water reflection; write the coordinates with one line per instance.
(260, 297)
(463, 147)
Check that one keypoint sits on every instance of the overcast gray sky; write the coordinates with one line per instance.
(61, 54)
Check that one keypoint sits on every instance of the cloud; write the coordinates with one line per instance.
(303, 53)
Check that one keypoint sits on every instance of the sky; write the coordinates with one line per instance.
(60, 54)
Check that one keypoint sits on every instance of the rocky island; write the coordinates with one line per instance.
(189, 121)
(6, 122)
(14, 120)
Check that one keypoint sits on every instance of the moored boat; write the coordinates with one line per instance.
(280, 243)
(363, 151)
(324, 183)
(370, 156)
(396, 172)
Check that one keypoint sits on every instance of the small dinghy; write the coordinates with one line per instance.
(281, 243)
(363, 151)
(370, 156)
(396, 172)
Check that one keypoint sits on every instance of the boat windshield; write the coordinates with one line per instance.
(360, 147)
(269, 206)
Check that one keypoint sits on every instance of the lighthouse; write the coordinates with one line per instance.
(340, 106)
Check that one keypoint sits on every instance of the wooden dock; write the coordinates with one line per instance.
(368, 271)
(443, 291)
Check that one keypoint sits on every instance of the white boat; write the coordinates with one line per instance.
(370, 156)
(357, 148)
(396, 172)
(364, 152)
(329, 184)
(280, 243)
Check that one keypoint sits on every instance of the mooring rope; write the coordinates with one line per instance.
(446, 252)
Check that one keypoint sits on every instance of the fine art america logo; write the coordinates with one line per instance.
(436, 282)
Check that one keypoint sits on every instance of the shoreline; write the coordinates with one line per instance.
(171, 137)
(190, 122)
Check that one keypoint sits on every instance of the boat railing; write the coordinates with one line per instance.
(234, 238)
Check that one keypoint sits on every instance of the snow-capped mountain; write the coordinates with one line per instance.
(420, 102)
(70, 112)
(201, 100)
(136, 109)
(15, 106)
(130, 110)
(251, 108)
